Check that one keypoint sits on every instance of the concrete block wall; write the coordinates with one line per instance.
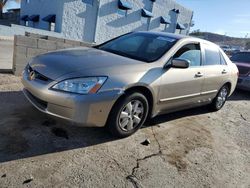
(21, 30)
(24, 29)
(9, 31)
(28, 46)
(6, 53)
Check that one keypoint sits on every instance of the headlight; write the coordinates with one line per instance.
(81, 85)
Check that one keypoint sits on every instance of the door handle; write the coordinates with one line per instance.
(224, 72)
(198, 74)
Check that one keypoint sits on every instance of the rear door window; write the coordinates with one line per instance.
(212, 56)
(222, 60)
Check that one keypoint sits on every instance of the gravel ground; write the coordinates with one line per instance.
(193, 148)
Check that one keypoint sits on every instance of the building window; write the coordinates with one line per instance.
(122, 12)
(123, 7)
(90, 2)
(25, 20)
(34, 19)
(181, 27)
(52, 26)
(51, 19)
(146, 13)
(165, 20)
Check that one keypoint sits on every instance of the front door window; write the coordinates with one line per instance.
(190, 52)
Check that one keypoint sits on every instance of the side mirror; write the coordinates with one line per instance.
(180, 63)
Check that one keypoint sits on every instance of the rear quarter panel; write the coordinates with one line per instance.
(233, 76)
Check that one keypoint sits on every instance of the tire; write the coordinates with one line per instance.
(125, 118)
(220, 98)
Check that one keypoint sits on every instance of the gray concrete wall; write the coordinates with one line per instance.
(185, 18)
(43, 8)
(164, 8)
(6, 53)
(79, 20)
(100, 21)
(111, 24)
(74, 18)
(26, 47)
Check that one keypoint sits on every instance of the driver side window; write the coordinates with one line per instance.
(191, 52)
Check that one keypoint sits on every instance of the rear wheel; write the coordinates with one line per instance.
(128, 115)
(220, 99)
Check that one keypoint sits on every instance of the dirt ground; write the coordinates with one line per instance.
(193, 148)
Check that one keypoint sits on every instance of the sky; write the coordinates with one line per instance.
(230, 17)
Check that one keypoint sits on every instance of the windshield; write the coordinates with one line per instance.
(146, 47)
(241, 57)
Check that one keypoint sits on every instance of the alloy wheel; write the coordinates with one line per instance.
(131, 115)
(222, 97)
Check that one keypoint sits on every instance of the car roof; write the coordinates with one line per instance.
(176, 36)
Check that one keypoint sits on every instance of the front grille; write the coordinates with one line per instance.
(38, 75)
(243, 71)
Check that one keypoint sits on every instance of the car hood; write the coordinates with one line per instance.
(77, 61)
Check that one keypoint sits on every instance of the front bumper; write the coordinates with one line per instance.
(84, 110)
(244, 83)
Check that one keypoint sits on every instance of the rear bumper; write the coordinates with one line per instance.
(244, 83)
(85, 110)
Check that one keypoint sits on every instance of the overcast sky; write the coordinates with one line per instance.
(230, 17)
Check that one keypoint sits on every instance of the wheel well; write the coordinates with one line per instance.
(146, 92)
(229, 86)
(143, 90)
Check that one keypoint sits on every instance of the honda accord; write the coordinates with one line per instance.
(122, 82)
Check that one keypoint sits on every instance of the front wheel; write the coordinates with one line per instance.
(128, 115)
(220, 98)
